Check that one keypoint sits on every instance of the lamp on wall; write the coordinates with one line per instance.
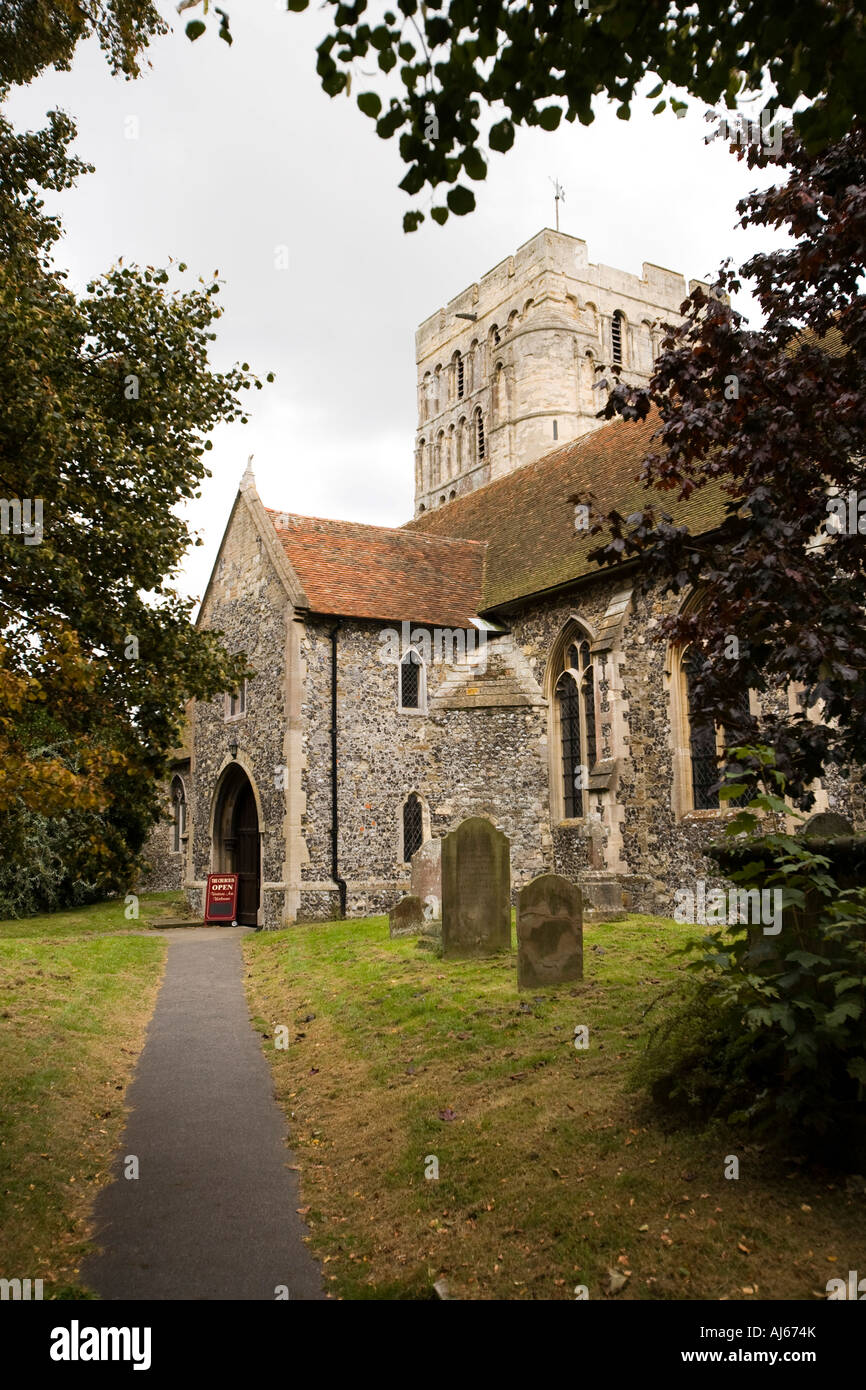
(233, 748)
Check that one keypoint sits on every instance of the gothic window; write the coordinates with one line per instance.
(413, 827)
(479, 435)
(574, 702)
(616, 327)
(178, 798)
(704, 739)
(413, 689)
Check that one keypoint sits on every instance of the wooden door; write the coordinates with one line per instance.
(247, 832)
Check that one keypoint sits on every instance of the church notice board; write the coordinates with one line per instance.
(221, 902)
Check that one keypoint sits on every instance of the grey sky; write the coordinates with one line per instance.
(238, 152)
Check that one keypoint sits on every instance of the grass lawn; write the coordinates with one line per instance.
(77, 989)
(552, 1174)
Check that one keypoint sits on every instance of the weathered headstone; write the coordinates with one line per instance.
(427, 878)
(826, 825)
(406, 918)
(476, 890)
(549, 932)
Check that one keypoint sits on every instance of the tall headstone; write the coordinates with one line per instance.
(549, 932)
(427, 878)
(476, 890)
(406, 918)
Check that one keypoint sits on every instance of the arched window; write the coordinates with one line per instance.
(479, 435)
(462, 458)
(457, 377)
(452, 494)
(420, 452)
(413, 827)
(436, 474)
(494, 336)
(413, 685)
(425, 397)
(178, 800)
(702, 741)
(437, 390)
(573, 710)
(449, 454)
(616, 332)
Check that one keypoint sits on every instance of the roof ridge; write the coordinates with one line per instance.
(372, 526)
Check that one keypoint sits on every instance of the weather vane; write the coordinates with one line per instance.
(559, 194)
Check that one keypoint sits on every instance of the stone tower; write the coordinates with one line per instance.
(506, 370)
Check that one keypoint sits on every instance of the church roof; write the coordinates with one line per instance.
(528, 519)
(350, 569)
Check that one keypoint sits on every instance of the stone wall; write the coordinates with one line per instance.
(461, 762)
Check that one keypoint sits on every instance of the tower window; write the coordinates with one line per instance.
(555, 430)
(460, 377)
(479, 434)
(616, 337)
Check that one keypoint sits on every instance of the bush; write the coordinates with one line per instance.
(770, 1031)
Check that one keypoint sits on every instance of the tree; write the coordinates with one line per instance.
(105, 404)
(454, 61)
(36, 34)
(774, 422)
(542, 62)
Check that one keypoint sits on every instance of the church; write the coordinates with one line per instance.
(472, 661)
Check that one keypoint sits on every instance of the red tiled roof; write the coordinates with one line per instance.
(529, 523)
(358, 571)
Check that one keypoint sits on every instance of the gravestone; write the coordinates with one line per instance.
(427, 878)
(476, 890)
(549, 932)
(826, 825)
(406, 918)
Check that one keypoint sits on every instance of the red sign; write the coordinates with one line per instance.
(221, 903)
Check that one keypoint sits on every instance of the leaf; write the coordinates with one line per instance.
(195, 29)
(370, 103)
(501, 136)
(460, 200)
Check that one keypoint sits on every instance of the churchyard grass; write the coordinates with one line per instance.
(552, 1172)
(76, 991)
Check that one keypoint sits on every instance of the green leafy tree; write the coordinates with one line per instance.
(106, 401)
(456, 62)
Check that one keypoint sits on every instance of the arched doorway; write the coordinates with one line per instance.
(236, 847)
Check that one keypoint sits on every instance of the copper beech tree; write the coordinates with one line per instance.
(775, 418)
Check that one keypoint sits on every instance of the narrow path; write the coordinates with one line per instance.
(212, 1214)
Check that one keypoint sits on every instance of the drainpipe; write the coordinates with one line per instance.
(335, 820)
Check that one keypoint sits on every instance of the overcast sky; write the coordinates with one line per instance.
(238, 152)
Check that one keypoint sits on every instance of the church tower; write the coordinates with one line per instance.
(506, 370)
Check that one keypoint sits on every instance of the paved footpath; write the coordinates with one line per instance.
(212, 1214)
